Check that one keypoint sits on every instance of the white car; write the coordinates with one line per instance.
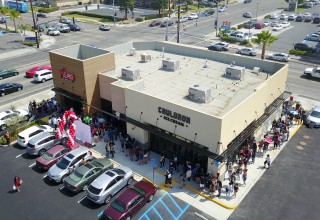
(248, 51)
(292, 17)
(307, 14)
(274, 16)
(283, 17)
(12, 117)
(183, 19)
(266, 23)
(313, 37)
(193, 16)
(313, 119)
(53, 32)
(284, 57)
(66, 21)
(285, 24)
(26, 135)
(222, 9)
(247, 15)
(277, 27)
(274, 23)
(42, 75)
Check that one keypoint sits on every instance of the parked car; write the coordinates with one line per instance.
(274, 16)
(283, 17)
(316, 20)
(43, 142)
(74, 27)
(248, 51)
(260, 25)
(7, 88)
(266, 23)
(193, 16)
(80, 179)
(108, 184)
(313, 118)
(308, 19)
(247, 1)
(67, 164)
(222, 46)
(292, 17)
(307, 14)
(239, 37)
(208, 12)
(299, 18)
(66, 20)
(313, 37)
(312, 72)
(251, 24)
(284, 57)
(128, 203)
(10, 117)
(42, 76)
(183, 19)
(51, 157)
(274, 23)
(222, 9)
(41, 15)
(40, 28)
(166, 23)
(277, 27)
(25, 135)
(32, 71)
(304, 47)
(285, 24)
(8, 73)
(247, 15)
(53, 32)
(155, 23)
(104, 27)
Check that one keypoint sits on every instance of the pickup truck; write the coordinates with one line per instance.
(312, 72)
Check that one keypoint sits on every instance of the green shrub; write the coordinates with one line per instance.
(48, 10)
(139, 19)
(234, 28)
(229, 40)
(29, 43)
(92, 15)
(298, 52)
(69, 13)
(267, 16)
(241, 26)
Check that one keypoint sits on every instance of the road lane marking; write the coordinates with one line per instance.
(32, 165)
(45, 176)
(61, 188)
(82, 199)
(20, 155)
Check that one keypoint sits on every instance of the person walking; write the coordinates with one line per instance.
(168, 179)
(244, 176)
(228, 187)
(17, 181)
(219, 183)
(267, 161)
(7, 137)
(235, 189)
(212, 189)
(107, 147)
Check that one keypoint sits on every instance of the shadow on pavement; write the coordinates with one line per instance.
(90, 205)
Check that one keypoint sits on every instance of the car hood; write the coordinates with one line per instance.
(308, 70)
(71, 182)
(55, 171)
(43, 161)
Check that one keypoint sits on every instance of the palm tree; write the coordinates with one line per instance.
(265, 38)
(5, 11)
(24, 27)
(13, 15)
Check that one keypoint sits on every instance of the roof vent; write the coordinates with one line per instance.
(145, 57)
(170, 65)
(199, 94)
(133, 51)
(235, 72)
(130, 74)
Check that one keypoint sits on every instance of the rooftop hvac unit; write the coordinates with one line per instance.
(235, 72)
(133, 51)
(145, 57)
(256, 70)
(169, 64)
(199, 94)
(130, 74)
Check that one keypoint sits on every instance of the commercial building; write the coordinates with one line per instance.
(179, 100)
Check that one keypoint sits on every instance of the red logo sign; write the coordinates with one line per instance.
(67, 76)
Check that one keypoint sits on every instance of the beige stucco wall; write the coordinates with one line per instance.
(118, 98)
(105, 86)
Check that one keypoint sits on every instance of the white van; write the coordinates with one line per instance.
(64, 28)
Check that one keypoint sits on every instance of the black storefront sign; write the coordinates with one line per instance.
(174, 117)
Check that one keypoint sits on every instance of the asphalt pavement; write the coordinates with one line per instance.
(289, 189)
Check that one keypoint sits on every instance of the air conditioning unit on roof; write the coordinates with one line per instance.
(133, 51)
(199, 94)
(235, 72)
(169, 64)
(145, 57)
(130, 73)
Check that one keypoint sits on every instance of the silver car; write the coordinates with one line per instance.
(313, 119)
(67, 164)
(108, 184)
(248, 51)
(284, 57)
(43, 142)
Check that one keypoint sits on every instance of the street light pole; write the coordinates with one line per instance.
(217, 19)
(257, 11)
(178, 28)
(34, 24)
(114, 14)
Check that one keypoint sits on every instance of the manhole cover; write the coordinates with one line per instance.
(299, 148)
(306, 136)
(303, 143)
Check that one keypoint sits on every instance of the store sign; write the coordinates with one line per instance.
(67, 76)
(174, 117)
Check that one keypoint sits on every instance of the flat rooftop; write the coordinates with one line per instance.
(173, 86)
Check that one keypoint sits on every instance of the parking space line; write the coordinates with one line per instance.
(168, 210)
(61, 188)
(183, 211)
(20, 155)
(82, 199)
(145, 213)
(45, 176)
(32, 165)
(175, 202)
(99, 215)
(155, 210)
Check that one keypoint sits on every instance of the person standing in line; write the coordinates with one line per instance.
(244, 176)
(145, 156)
(267, 161)
(111, 144)
(107, 150)
(235, 189)
(202, 182)
(141, 157)
(238, 172)
(188, 174)
(264, 148)
(137, 152)
(228, 190)
(175, 162)
(219, 183)
(17, 181)
(168, 179)
(171, 166)
(7, 137)
(122, 141)
(162, 160)
(212, 189)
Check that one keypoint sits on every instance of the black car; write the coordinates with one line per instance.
(8, 88)
(208, 12)
(219, 47)
(155, 23)
(164, 24)
(251, 24)
(41, 15)
(304, 47)
(74, 27)
(299, 18)
(316, 20)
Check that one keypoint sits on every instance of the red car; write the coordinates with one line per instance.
(50, 157)
(128, 203)
(260, 25)
(32, 71)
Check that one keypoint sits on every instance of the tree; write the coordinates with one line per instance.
(126, 6)
(24, 27)
(13, 15)
(265, 38)
(5, 11)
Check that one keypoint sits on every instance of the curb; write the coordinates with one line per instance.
(296, 130)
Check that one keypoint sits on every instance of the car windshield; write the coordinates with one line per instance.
(315, 114)
(33, 69)
(47, 156)
(139, 190)
(118, 205)
(75, 176)
(96, 164)
(63, 163)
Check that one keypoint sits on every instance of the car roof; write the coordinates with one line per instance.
(56, 149)
(29, 130)
(4, 113)
(127, 196)
(104, 179)
(41, 136)
(76, 152)
(317, 108)
(43, 71)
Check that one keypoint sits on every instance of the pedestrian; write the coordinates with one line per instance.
(137, 152)
(107, 150)
(219, 183)
(238, 172)
(182, 180)
(267, 161)
(122, 140)
(276, 141)
(162, 160)
(171, 166)
(188, 175)
(111, 144)
(145, 156)
(230, 169)
(264, 148)
(17, 181)
(7, 137)
(244, 176)
(212, 189)
(228, 190)
(202, 182)
(141, 157)
(260, 145)
(175, 163)
(168, 179)
(235, 189)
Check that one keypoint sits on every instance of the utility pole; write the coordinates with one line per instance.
(178, 28)
(169, 1)
(257, 11)
(34, 24)
(217, 18)
(114, 15)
